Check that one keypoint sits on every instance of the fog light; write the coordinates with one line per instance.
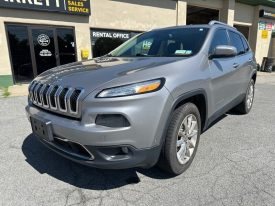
(112, 120)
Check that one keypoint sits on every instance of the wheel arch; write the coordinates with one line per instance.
(194, 97)
(197, 97)
(254, 76)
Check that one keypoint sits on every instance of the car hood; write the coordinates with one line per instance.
(91, 74)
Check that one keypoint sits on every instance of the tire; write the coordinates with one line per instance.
(169, 158)
(245, 107)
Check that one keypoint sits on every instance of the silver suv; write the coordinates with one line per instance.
(147, 101)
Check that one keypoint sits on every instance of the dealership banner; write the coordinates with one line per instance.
(77, 7)
(262, 25)
(267, 14)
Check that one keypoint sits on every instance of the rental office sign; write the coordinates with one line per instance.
(77, 7)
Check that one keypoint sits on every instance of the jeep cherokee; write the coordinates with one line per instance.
(147, 101)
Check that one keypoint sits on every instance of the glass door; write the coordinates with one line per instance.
(20, 53)
(44, 49)
(66, 45)
(34, 49)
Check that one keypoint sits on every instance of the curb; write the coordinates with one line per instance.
(265, 73)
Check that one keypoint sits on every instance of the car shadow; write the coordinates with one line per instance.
(220, 118)
(48, 162)
(233, 112)
(215, 122)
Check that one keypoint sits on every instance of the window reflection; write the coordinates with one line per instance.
(66, 45)
(20, 53)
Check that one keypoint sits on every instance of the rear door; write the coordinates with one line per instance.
(222, 73)
(241, 63)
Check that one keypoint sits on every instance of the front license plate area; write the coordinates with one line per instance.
(42, 128)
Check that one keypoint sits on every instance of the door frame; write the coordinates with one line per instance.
(30, 39)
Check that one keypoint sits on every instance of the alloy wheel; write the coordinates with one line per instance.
(250, 96)
(187, 138)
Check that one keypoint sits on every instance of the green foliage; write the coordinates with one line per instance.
(5, 81)
(6, 92)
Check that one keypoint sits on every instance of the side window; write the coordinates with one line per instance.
(220, 38)
(236, 41)
(245, 44)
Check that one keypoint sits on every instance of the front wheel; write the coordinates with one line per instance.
(182, 139)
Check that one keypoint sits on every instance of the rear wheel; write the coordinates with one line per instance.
(182, 139)
(247, 103)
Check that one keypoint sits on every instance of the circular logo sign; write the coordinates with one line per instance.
(43, 40)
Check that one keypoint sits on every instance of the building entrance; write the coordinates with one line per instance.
(34, 50)
(201, 15)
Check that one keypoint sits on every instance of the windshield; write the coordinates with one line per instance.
(164, 43)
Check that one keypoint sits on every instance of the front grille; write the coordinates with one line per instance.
(73, 102)
(44, 96)
(52, 97)
(64, 100)
(39, 99)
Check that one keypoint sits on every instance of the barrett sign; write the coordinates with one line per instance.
(79, 7)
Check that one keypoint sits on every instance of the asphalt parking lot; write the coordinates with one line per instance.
(234, 165)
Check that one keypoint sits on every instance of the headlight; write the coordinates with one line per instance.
(132, 89)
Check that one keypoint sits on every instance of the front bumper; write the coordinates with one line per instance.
(138, 145)
(104, 159)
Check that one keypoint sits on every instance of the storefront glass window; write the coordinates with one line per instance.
(104, 41)
(20, 53)
(44, 49)
(66, 45)
(35, 49)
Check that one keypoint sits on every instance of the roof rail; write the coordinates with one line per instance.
(213, 22)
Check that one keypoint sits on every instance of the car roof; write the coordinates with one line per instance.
(182, 27)
(211, 24)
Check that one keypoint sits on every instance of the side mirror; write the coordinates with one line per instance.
(223, 51)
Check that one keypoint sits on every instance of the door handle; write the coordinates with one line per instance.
(235, 65)
(250, 60)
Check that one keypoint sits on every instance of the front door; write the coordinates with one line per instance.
(44, 49)
(222, 73)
